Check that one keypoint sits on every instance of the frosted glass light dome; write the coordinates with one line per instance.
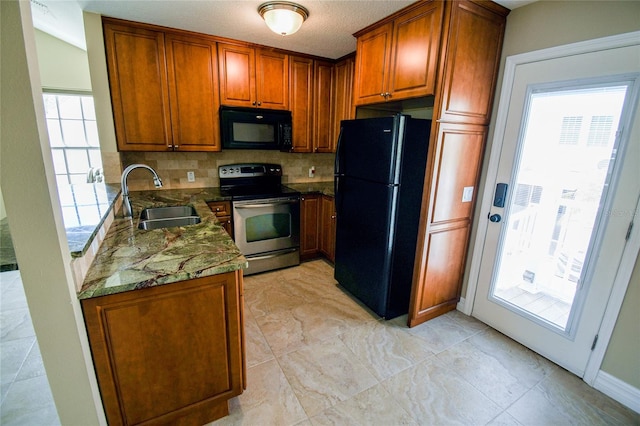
(283, 18)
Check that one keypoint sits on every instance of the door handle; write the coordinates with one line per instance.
(495, 218)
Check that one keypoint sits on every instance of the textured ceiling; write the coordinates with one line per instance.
(327, 32)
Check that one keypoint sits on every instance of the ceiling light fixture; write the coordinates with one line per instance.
(283, 17)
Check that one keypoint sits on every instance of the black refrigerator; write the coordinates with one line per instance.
(379, 174)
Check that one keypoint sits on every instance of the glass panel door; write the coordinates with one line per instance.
(561, 176)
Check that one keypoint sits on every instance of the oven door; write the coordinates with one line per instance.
(266, 226)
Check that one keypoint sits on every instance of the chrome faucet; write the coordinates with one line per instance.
(126, 203)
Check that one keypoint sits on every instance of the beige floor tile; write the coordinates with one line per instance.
(435, 395)
(504, 419)
(385, 350)
(373, 406)
(268, 400)
(306, 324)
(445, 331)
(324, 374)
(497, 366)
(563, 398)
(258, 350)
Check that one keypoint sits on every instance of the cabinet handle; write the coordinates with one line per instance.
(382, 94)
(176, 146)
(259, 103)
(253, 103)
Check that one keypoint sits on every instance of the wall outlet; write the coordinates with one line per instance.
(191, 177)
(312, 171)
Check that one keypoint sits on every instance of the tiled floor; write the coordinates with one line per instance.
(26, 397)
(316, 357)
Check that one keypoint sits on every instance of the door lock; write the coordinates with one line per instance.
(495, 218)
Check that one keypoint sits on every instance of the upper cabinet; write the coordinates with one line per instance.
(322, 130)
(398, 59)
(342, 94)
(253, 77)
(164, 89)
(311, 101)
(473, 58)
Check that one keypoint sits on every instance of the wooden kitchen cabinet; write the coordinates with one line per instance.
(343, 94)
(322, 93)
(222, 210)
(171, 354)
(136, 61)
(311, 87)
(253, 77)
(472, 41)
(164, 88)
(309, 226)
(301, 101)
(328, 228)
(397, 58)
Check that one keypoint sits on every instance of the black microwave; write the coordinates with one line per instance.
(254, 128)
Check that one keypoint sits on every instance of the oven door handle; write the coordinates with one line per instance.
(257, 206)
(270, 256)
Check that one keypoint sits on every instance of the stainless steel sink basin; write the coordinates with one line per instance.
(166, 217)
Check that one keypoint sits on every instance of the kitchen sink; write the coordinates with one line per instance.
(166, 217)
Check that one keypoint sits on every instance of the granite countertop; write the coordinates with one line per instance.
(84, 209)
(130, 258)
(324, 188)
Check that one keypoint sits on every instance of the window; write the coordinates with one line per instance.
(600, 130)
(73, 135)
(570, 131)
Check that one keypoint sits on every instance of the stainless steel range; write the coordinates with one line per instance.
(266, 215)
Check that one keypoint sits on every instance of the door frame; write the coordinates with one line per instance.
(632, 248)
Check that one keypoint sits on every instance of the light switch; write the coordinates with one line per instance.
(467, 194)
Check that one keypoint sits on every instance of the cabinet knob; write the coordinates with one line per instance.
(217, 209)
(259, 103)
(253, 103)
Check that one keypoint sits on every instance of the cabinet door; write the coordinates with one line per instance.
(328, 231)
(309, 226)
(171, 354)
(471, 69)
(193, 89)
(343, 95)
(373, 53)
(139, 88)
(272, 80)
(322, 130)
(415, 51)
(237, 75)
(301, 95)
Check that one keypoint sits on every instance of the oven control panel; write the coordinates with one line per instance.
(249, 170)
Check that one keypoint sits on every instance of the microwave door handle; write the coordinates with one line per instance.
(258, 206)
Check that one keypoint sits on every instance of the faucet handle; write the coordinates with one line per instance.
(157, 182)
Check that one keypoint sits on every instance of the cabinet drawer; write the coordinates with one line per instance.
(220, 208)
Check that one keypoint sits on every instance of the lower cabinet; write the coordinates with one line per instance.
(171, 354)
(328, 228)
(309, 226)
(317, 226)
(222, 210)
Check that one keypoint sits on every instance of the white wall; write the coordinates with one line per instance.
(36, 224)
(62, 65)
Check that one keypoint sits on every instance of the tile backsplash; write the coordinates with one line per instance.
(173, 167)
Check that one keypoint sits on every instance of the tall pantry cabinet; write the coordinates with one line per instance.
(469, 62)
(448, 52)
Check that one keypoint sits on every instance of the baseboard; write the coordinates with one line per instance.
(462, 306)
(621, 391)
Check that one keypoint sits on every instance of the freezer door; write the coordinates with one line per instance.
(370, 149)
(365, 228)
